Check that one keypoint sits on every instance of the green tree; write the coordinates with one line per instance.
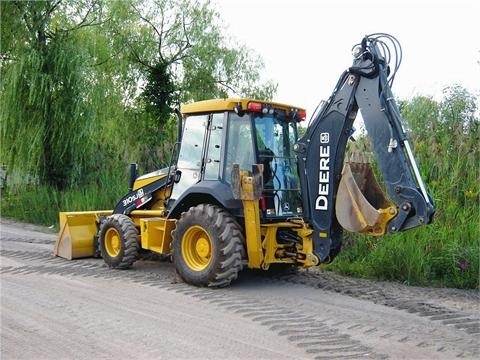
(190, 40)
(180, 50)
(88, 85)
(46, 117)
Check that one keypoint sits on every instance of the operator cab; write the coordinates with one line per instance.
(220, 133)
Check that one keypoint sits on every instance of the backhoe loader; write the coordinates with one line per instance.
(244, 190)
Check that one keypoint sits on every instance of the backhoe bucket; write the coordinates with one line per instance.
(77, 231)
(361, 205)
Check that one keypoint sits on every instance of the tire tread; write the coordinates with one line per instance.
(230, 241)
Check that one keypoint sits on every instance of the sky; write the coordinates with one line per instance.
(306, 44)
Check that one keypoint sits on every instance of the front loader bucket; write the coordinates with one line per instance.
(361, 205)
(77, 230)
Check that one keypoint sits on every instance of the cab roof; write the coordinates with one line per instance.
(218, 105)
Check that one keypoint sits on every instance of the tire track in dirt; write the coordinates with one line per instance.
(401, 297)
(318, 337)
(313, 335)
(28, 240)
(306, 331)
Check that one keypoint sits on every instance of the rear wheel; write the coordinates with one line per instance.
(118, 241)
(208, 246)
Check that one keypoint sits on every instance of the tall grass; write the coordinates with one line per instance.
(428, 256)
(40, 204)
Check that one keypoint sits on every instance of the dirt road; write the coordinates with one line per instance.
(52, 308)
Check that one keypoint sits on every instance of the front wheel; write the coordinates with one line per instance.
(118, 241)
(208, 246)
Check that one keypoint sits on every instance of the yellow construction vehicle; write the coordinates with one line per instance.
(244, 190)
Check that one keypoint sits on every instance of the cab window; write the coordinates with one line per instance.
(239, 144)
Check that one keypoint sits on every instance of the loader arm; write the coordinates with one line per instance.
(321, 151)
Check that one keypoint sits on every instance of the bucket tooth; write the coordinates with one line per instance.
(361, 205)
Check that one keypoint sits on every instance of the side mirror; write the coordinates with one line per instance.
(178, 175)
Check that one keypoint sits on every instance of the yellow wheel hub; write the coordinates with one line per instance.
(113, 243)
(203, 247)
(196, 248)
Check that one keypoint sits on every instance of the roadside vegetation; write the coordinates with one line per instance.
(88, 86)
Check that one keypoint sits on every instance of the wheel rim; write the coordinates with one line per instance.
(113, 243)
(196, 248)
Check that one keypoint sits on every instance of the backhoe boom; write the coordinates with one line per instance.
(321, 153)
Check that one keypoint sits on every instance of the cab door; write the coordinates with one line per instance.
(190, 158)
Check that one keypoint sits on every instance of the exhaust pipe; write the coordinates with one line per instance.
(133, 175)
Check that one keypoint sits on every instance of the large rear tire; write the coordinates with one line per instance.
(208, 246)
(118, 241)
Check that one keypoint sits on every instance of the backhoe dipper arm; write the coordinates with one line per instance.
(321, 150)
